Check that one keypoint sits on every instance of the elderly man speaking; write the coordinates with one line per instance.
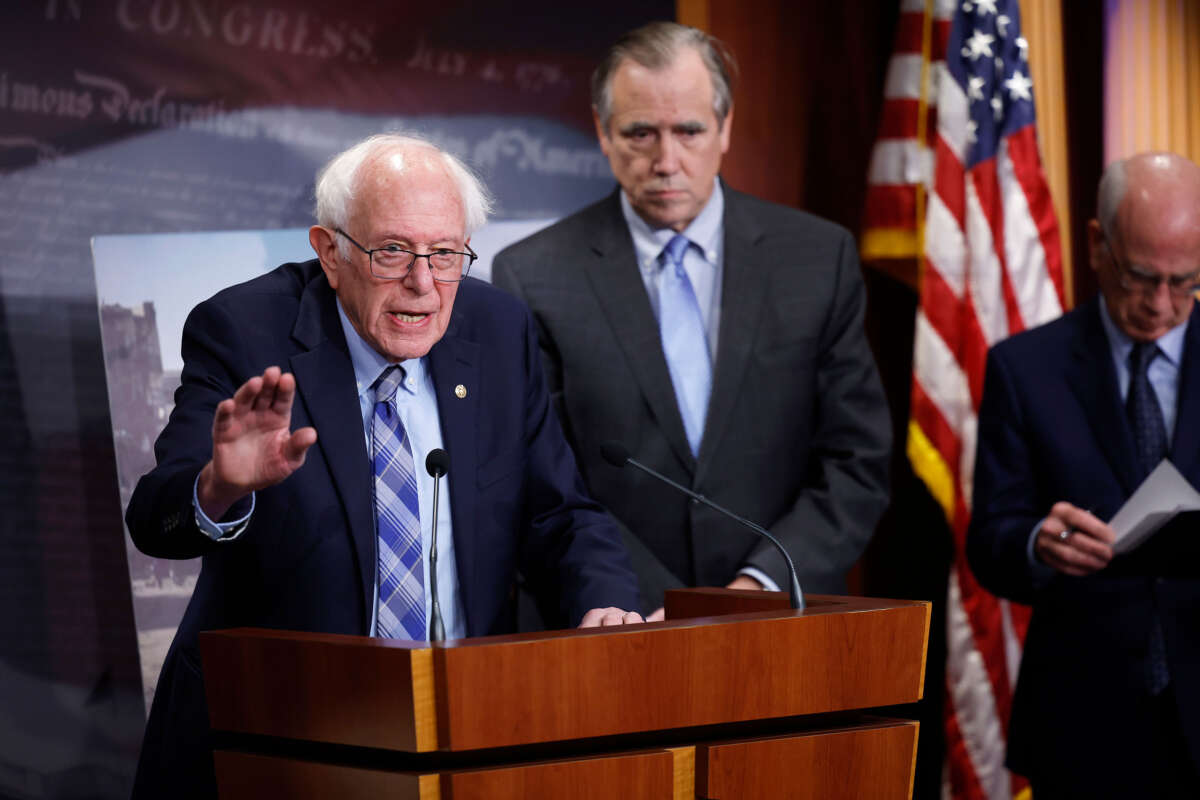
(294, 461)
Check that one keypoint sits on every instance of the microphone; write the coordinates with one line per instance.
(437, 464)
(617, 454)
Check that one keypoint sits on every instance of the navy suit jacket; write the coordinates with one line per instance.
(1052, 427)
(306, 561)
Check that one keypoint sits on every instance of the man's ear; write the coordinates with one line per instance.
(1096, 246)
(726, 128)
(322, 241)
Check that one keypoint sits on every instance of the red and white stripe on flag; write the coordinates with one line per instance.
(902, 159)
(960, 180)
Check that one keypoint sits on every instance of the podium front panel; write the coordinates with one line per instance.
(656, 774)
(840, 654)
(506, 691)
(875, 760)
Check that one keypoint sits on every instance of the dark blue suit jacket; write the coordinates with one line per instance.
(1052, 427)
(306, 561)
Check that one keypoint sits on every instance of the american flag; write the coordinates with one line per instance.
(956, 179)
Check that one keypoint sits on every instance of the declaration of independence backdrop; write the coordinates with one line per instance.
(126, 120)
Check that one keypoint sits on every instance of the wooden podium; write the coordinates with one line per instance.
(758, 704)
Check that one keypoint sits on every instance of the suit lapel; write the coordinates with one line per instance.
(1093, 379)
(612, 269)
(454, 362)
(325, 382)
(1185, 446)
(743, 293)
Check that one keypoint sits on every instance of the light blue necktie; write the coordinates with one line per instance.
(401, 610)
(685, 342)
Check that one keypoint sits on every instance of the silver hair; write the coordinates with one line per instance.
(337, 182)
(1109, 196)
(655, 46)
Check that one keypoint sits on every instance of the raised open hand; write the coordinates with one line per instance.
(253, 447)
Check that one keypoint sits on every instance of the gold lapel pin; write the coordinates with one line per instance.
(460, 391)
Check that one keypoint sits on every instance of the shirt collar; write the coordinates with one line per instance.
(1170, 343)
(704, 231)
(368, 363)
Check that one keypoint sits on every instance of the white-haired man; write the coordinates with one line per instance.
(1075, 415)
(294, 461)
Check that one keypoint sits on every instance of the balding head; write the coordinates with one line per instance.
(1152, 183)
(1145, 244)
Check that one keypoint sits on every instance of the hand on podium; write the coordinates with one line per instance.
(603, 617)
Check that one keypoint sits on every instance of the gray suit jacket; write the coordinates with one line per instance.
(798, 434)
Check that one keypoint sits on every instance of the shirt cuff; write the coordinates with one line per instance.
(760, 576)
(220, 531)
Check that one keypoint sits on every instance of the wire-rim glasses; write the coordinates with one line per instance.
(392, 262)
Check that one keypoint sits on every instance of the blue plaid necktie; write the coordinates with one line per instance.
(685, 343)
(401, 610)
(1150, 444)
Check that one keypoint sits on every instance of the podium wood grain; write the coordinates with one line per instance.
(840, 654)
(658, 710)
(321, 687)
(501, 691)
(648, 775)
(873, 760)
(248, 776)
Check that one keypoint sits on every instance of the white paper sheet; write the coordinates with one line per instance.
(1163, 494)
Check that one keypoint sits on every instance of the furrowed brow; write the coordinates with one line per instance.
(630, 128)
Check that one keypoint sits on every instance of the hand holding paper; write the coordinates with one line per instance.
(1073, 541)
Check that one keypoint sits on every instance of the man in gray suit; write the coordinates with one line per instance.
(717, 336)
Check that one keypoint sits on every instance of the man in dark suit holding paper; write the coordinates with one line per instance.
(716, 336)
(1075, 415)
(293, 462)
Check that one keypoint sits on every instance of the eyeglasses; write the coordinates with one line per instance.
(1133, 279)
(392, 262)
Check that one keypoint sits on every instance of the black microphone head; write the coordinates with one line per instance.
(437, 463)
(614, 453)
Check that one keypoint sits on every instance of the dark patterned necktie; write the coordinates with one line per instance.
(1145, 415)
(1150, 446)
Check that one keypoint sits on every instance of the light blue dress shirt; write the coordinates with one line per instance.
(416, 402)
(703, 263)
